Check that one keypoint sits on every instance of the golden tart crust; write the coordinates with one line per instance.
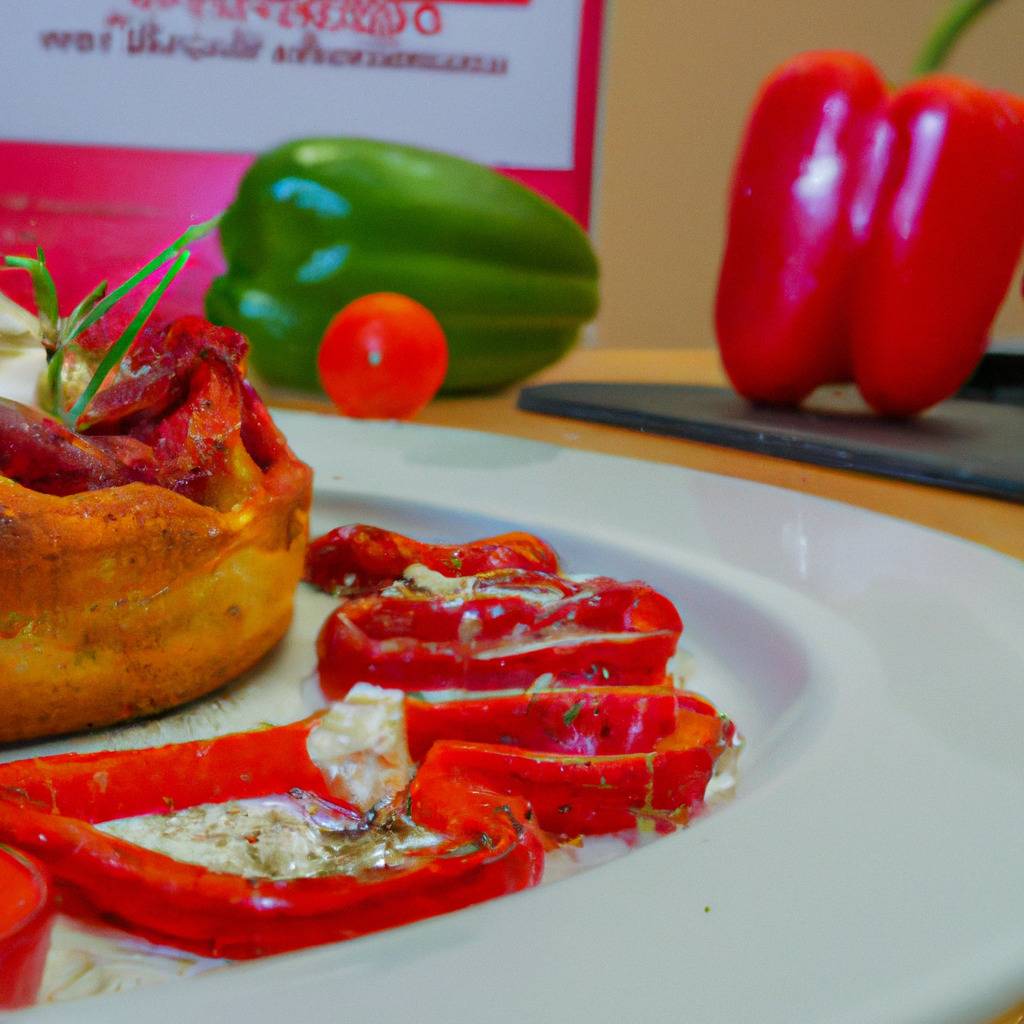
(123, 602)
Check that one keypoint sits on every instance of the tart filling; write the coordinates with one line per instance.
(151, 554)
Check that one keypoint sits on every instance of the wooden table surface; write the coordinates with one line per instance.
(997, 524)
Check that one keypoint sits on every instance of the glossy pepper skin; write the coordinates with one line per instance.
(573, 795)
(599, 632)
(320, 222)
(48, 807)
(593, 721)
(872, 235)
(358, 557)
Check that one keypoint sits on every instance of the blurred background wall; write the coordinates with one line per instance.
(681, 75)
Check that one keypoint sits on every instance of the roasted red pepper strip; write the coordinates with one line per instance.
(48, 805)
(358, 557)
(594, 721)
(602, 632)
(260, 434)
(120, 784)
(698, 724)
(667, 744)
(871, 236)
(572, 795)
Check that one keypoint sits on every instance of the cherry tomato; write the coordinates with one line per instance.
(382, 357)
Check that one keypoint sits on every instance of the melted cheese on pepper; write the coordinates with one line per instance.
(275, 837)
(360, 745)
(418, 579)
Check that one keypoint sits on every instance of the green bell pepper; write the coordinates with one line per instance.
(320, 222)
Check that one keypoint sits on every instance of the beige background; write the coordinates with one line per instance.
(680, 76)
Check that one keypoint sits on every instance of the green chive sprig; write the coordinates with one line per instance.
(60, 332)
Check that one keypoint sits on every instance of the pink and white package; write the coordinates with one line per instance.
(126, 120)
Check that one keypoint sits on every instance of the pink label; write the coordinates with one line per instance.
(164, 103)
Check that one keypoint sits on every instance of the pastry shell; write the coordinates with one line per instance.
(122, 602)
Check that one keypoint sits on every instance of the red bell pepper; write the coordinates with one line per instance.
(487, 800)
(598, 632)
(49, 807)
(573, 795)
(592, 722)
(872, 235)
(358, 557)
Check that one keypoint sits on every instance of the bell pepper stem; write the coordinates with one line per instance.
(947, 31)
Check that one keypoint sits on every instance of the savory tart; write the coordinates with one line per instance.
(153, 524)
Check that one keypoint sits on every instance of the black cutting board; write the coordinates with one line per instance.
(962, 445)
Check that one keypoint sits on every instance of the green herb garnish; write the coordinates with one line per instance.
(45, 292)
(192, 234)
(58, 333)
(573, 713)
(117, 351)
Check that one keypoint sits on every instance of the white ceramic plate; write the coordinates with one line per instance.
(871, 866)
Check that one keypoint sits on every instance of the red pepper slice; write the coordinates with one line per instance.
(572, 795)
(602, 632)
(666, 744)
(698, 724)
(358, 557)
(120, 784)
(594, 721)
(48, 807)
(260, 435)
(851, 213)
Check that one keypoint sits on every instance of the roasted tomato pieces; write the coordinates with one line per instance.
(178, 413)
